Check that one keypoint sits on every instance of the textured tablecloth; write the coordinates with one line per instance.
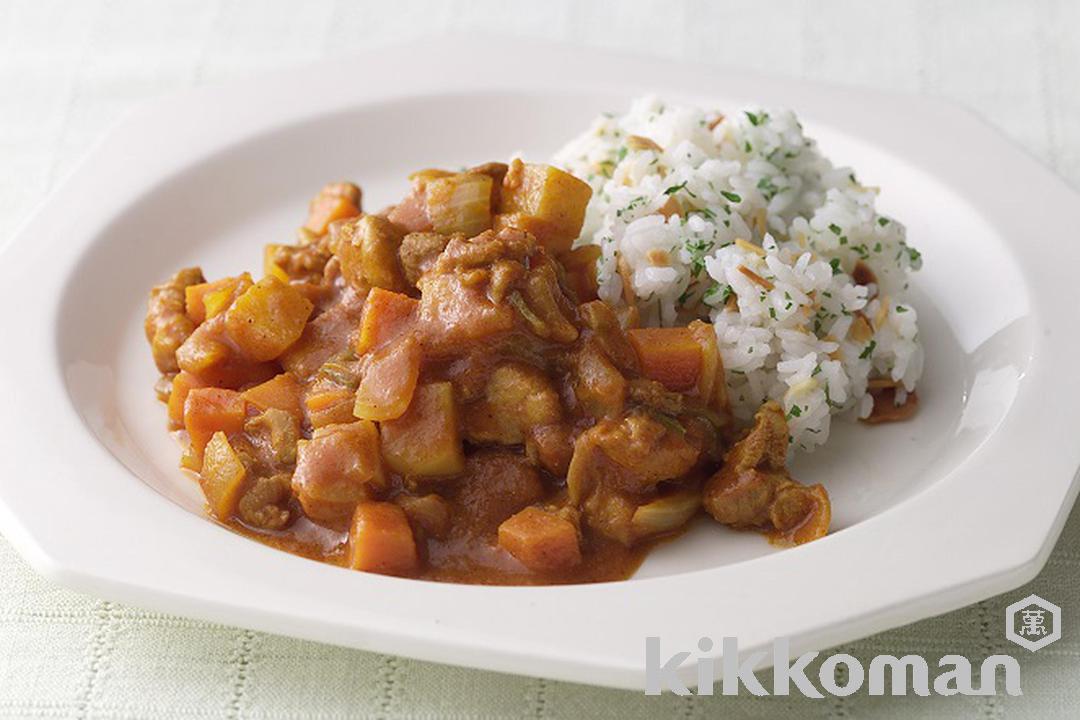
(68, 69)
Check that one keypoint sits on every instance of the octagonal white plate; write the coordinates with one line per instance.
(963, 502)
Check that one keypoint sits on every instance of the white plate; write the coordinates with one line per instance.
(963, 502)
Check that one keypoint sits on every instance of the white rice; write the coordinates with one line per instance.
(804, 225)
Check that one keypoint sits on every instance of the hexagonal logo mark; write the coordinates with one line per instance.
(1033, 623)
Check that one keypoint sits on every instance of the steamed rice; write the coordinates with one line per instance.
(742, 220)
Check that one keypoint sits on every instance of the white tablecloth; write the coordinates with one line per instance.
(67, 69)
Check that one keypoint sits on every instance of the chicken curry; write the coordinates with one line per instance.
(435, 391)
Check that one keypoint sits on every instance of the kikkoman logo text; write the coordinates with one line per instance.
(953, 673)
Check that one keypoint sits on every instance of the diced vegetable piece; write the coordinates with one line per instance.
(666, 514)
(671, 356)
(205, 300)
(381, 540)
(548, 194)
(222, 477)
(425, 442)
(281, 392)
(335, 201)
(598, 385)
(387, 315)
(431, 513)
(209, 410)
(541, 540)
(389, 381)
(368, 251)
(580, 266)
(340, 466)
(460, 203)
(267, 319)
(182, 384)
(330, 407)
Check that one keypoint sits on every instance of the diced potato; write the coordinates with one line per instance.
(267, 319)
(368, 252)
(671, 356)
(222, 477)
(336, 201)
(182, 384)
(389, 381)
(598, 385)
(517, 398)
(460, 203)
(381, 540)
(541, 540)
(205, 300)
(431, 513)
(281, 392)
(666, 514)
(387, 315)
(580, 266)
(548, 194)
(340, 466)
(425, 442)
(209, 410)
(203, 352)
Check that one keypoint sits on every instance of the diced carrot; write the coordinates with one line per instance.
(671, 356)
(387, 315)
(541, 540)
(222, 477)
(325, 209)
(182, 384)
(208, 410)
(389, 382)
(381, 540)
(580, 266)
(426, 440)
(281, 392)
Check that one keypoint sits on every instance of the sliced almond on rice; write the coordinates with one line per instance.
(749, 247)
(658, 257)
(637, 142)
(861, 329)
(757, 279)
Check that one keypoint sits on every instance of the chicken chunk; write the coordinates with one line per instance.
(753, 489)
(167, 325)
(337, 468)
(517, 398)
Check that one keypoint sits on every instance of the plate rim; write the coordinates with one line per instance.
(250, 108)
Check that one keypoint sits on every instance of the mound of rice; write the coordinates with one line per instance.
(741, 219)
